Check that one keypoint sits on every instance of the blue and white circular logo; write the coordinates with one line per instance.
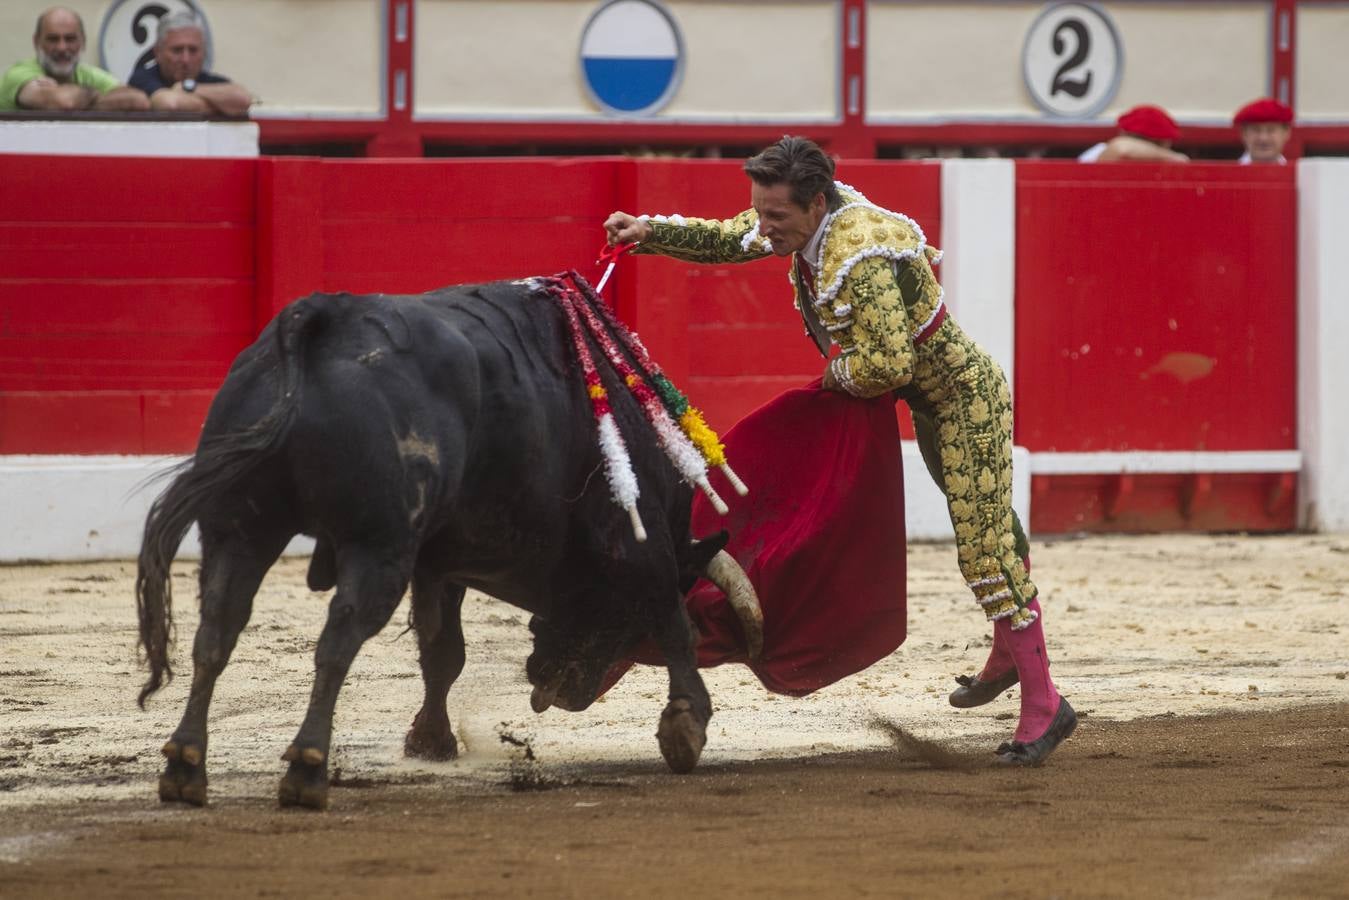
(633, 56)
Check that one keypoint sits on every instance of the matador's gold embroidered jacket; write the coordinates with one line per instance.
(877, 298)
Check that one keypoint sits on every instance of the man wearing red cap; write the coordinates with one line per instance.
(1146, 133)
(1266, 125)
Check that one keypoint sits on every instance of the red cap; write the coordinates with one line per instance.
(1266, 109)
(1150, 122)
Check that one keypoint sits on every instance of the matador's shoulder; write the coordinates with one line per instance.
(858, 230)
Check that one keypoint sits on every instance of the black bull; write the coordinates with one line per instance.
(444, 441)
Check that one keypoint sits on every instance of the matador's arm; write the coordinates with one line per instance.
(878, 354)
(732, 240)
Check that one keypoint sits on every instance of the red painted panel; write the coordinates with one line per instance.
(127, 307)
(409, 257)
(103, 362)
(131, 190)
(1153, 503)
(52, 422)
(378, 191)
(730, 349)
(399, 226)
(289, 234)
(151, 250)
(172, 420)
(130, 422)
(126, 289)
(1155, 307)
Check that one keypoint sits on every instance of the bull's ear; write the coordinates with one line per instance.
(706, 548)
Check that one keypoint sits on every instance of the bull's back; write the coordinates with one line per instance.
(451, 413)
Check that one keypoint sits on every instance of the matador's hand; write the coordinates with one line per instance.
(625, 229)
(830, 383)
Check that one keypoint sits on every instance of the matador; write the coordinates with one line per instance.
(863, 281)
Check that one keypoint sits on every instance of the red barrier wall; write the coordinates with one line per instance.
(1156, 309)
(1155, 305)
(125, 291)
(181, 262)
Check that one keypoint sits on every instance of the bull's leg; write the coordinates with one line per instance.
(683, 724)
(436, 606)
(231, 570)
(368, 590)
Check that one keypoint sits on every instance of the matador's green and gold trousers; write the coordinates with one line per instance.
(962, 414)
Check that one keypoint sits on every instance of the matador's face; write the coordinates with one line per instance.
(787, 226)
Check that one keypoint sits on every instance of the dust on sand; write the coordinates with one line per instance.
(1212, 758)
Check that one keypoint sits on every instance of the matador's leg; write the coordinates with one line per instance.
(998, 672)
(971, 411)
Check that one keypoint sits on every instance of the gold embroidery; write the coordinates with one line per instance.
(875, 284)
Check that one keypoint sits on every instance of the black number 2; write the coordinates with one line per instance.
(1074, 88)
(141, 34)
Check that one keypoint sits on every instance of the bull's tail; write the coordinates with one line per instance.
(220, 463)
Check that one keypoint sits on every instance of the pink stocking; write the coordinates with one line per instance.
(999, 659)
(1039, 698)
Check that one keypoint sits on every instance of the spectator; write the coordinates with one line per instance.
(1266, 125)
(1146, 133)
(176, 81)
(56, 79)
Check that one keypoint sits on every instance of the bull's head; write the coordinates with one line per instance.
(569, 664)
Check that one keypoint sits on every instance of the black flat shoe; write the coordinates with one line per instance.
(1015, 753)
(973, 692)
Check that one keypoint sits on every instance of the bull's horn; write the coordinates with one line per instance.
(723, 571)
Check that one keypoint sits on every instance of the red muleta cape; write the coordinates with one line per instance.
(821, 536)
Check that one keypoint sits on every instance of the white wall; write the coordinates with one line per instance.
(1322, 63)
(978, 243)
(84, 507)
(956, 60)
(94, 507)
(81, 138)
(520, 59)
(1323, 322)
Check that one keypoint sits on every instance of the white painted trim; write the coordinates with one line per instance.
(1165, 462)
(1323, 320)
(978, 240)
(61, 138)
(84, 507)
(94, 507)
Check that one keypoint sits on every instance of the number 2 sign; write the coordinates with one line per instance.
(1072, 60)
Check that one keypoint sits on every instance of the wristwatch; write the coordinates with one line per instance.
(189, 84)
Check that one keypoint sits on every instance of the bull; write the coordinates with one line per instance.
(441, 441)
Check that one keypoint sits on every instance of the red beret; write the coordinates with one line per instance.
(1150, 122)
(1263, 110)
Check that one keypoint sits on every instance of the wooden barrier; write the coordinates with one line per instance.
(1155, 306)
(1155, 312)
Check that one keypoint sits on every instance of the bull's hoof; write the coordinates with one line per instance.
(184, 778)
(427, 742)
(681, 736)
(306, 781)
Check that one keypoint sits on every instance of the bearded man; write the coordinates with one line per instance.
(55, 79)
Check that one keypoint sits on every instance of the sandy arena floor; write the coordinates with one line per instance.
(1212, 759)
